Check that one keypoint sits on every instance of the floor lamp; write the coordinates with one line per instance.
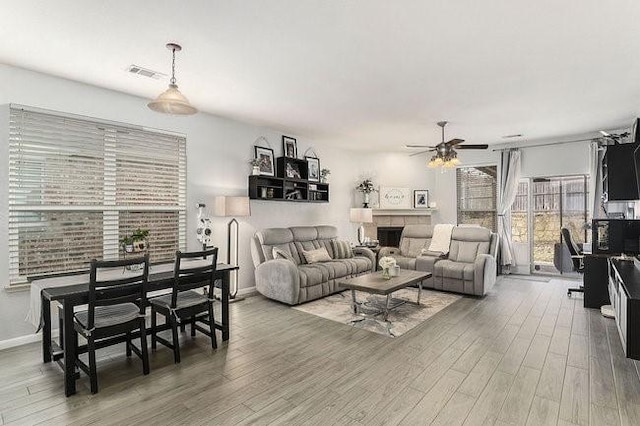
(233, 207)
(361, 216)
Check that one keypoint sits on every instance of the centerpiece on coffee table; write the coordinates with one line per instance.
(387, 263)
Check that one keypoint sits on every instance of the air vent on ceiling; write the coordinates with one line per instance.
(145, 72)
(517, 135)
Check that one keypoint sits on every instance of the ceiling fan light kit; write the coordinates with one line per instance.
(445, 156)
(171, 101)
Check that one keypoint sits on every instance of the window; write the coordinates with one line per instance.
(77, 186)
(476, 189)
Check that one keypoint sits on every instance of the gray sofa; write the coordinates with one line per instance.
(297, 282)
(470, 267)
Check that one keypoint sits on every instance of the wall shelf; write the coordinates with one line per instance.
(291, 184)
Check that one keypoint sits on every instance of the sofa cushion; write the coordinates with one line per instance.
(411, 247)
(468, 242)
(279, 253)
(458, 270)
(317, 255)
(341, 249)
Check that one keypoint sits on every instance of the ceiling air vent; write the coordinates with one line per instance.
(145, 72)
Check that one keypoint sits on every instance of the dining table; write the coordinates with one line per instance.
(73, 291)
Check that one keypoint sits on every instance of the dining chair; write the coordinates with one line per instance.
(116, 307)
(184, 304)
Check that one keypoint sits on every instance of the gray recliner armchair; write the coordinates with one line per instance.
(471, 266)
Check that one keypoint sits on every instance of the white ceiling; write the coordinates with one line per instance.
(371, 74)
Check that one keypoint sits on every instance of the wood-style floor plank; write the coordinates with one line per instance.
(524, 354)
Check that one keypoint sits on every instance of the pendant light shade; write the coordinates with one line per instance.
(171, 101)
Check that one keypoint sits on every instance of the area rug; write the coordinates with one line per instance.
(337, 307)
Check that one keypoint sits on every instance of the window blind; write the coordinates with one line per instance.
(77, 186)
(477, 196)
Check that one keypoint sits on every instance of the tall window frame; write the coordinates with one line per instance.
(77, 185)
(477, 196)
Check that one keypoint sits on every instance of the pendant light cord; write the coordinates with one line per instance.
(173, 66)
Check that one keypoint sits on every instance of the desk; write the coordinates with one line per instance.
(78, 294)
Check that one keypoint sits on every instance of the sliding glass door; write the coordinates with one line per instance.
(543, 206)
(557, 202)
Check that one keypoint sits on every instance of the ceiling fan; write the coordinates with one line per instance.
(445, 152)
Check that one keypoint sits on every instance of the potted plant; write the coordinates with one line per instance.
(324, 174)
(136, 242)
(366, 187)
(255, 164)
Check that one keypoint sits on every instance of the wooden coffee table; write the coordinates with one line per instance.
(374, 283)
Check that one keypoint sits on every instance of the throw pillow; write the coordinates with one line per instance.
(281, 254)
(341, 249)
(317, 255)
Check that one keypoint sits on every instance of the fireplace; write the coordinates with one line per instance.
(389, 236)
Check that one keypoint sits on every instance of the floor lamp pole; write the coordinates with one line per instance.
(233, 229)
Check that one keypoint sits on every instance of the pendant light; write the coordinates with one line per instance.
(171, 101)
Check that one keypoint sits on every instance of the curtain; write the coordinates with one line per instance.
(595, 183)
(509, 179)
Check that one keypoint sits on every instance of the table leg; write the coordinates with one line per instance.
(354, 301)
(46, 328)
(225, 305)
(69, 350)
(387, 307)
(419, 290)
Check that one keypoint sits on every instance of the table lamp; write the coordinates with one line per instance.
(361, 216)
(233, 207)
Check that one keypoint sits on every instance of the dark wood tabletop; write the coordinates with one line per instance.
(374, 282)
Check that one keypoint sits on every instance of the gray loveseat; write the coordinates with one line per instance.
(470, 267)
(297, 282)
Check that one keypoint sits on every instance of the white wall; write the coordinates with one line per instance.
(218, 151)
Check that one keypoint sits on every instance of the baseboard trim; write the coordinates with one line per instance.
(24, 340)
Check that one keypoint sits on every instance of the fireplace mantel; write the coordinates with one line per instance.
(403, 212)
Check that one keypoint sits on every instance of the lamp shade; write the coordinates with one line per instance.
(171, 101)
(231, 206)
(359, 215)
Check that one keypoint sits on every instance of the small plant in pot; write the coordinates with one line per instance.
(324, 175)
(255, 164)
(136, 242)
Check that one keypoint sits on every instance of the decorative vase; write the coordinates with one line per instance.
(256, 170)
(385, 274)
(323, 179)
(365, 202)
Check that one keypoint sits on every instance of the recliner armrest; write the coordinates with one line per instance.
(365, 252)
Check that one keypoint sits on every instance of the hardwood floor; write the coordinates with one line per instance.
(524, 354)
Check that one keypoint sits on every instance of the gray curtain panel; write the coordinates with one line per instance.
(509, 179)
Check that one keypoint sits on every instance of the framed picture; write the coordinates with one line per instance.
(292, 170)
(265, 156)
(313, 168)
(289, 147)
(395, 198)
(421, 199)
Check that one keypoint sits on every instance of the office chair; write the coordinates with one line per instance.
(577, 258)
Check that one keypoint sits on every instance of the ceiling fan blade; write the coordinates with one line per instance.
(418, 153)
(477, 146)
(454, 142)
(419, 146)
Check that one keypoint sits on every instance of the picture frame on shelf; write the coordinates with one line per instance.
(266, 161)
(421, 199)
(289, 147)
(292, 171)
(313, 169)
